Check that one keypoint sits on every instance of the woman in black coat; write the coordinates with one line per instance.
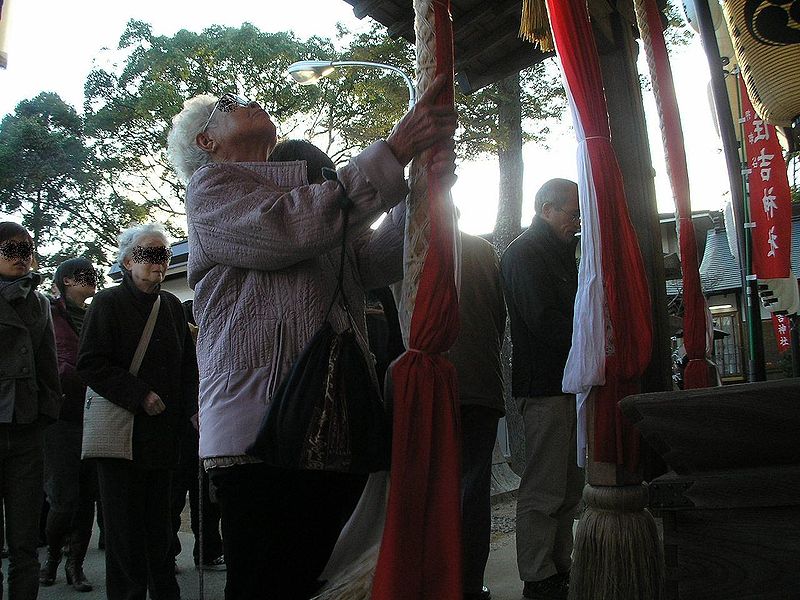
(30, 397)
(162, 396)
(69, 482)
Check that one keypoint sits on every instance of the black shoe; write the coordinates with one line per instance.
(555, 587)
(47, 574)
(217, 564)
(484, 594)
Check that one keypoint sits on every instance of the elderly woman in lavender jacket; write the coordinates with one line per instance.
(263, 263)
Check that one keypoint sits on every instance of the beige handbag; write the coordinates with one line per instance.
(107, 427)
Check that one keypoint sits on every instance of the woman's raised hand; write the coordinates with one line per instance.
(423, 126)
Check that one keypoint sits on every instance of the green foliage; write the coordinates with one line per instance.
(356, 106)
(78, 180)
(482, 132)
(48, 176)
(677, 33)
(129, 107)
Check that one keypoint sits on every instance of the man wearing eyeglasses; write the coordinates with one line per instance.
(540, 279)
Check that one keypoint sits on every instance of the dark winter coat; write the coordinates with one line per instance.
(28, 366)
(482, 314)
(540, 279)
(67, 345)
(111, 332)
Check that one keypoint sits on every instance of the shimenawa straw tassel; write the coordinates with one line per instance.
(534, 26)
(617, 554)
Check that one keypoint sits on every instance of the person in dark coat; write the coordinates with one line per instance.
(70, 484)
(540, 279)
(476, 357)
(163, 398)
(30, 399)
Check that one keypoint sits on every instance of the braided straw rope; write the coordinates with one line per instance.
(647, 41)
(418, 226)
(355, 582)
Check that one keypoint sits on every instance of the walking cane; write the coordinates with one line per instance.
(201, 527)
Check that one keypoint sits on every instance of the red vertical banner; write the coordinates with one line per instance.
(770, 198)
(782, 326)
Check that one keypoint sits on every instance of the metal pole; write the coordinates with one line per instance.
(756, 370)
(412, 91)
(794, 320)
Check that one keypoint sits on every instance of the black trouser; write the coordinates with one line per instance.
(478, 434)
(71, 487)
(279, 527)
(21, 477)
(185, 479)
(138, 531)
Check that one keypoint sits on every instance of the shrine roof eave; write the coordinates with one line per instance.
(486, 41)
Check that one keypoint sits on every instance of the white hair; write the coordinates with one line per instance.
(182, 149)
(129, 238)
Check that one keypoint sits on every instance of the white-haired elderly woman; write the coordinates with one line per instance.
(263, 262)
(163, 398)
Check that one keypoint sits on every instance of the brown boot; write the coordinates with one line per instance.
(73, 566)
(49, 570)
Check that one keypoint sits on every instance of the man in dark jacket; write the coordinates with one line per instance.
(540, 279)
(476, 357)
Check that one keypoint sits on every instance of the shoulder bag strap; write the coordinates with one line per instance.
(144, 341)
(345, 203)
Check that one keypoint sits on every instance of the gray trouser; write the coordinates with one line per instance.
(551, 487)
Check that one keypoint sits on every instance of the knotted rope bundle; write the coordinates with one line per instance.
(421, 536)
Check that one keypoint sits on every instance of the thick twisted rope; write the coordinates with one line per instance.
(695, 329)
(418, 226)
(647, 40)
(355, 581)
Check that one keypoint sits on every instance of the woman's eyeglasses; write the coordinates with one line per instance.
(226, 103)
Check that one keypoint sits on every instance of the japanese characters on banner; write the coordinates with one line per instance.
(783, 332)
(770, 199)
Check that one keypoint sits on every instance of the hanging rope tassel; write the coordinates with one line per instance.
(534, 26)
(617, 551)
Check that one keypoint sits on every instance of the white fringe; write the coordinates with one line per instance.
(351, 567)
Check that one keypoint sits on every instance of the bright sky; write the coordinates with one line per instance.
(52, 45)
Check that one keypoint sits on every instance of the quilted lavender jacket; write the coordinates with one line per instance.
(263, 261)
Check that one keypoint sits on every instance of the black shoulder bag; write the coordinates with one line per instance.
(327, 414)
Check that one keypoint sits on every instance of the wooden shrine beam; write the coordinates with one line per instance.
(471, 79)
(630, 141)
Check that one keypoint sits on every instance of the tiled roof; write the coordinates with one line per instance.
(719, 271)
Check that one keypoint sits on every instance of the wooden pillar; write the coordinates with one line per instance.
(630, 141)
